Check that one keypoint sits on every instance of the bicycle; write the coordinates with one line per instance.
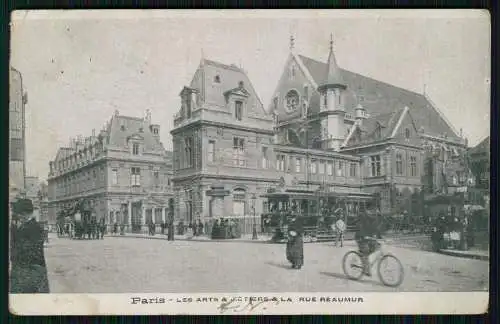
(381, 258)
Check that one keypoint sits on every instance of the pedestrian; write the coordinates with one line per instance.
(115, 228)
(215, 230)
(295, 243)
(339, 230)
(28, 271)
(162, 226)
(200, 227)
(103, 228)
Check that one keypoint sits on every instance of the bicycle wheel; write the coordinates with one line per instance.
(390, 271)
(352, 264)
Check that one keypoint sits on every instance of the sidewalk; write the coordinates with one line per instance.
(247, 238)
(471, 254)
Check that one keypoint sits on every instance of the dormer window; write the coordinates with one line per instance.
(122, 127)
(217, 79)
(155, 131)
(241, 84)
(238, 110)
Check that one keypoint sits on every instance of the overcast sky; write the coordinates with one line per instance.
(77, 72)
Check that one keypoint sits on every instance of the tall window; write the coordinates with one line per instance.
(407, 133)
(352, 170)
(321, 167)
(298, 161)
(16, 149)
(238, 110)
(280, 163)
(135, 149)
(114, 176)
(399, 164)
(313, 167)
(239, 199)
(340, 169)
(188, 105)
(292, 72)
(188, 152)
(413, 166)
(275, 103)
(329, 168)
(156, 178)
(211, 151)
(375, 166)
(306, 92)
(238, 151)
(265, 158)
(135, 177)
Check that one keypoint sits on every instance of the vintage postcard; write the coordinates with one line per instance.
(249, 162)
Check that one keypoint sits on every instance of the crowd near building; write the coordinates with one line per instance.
(326, 128)
(123, 173)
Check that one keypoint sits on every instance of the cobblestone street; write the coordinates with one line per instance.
(126, 265)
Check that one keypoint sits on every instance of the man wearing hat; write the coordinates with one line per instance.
(28, 271)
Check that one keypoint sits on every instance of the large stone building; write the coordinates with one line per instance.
(123, 172)
(326, 127)
(17, 142)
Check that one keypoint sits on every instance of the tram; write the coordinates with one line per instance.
(318, 210)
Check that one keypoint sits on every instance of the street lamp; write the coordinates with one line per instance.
(254, 226)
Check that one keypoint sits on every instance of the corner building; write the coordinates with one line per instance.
(123, 173)
(17, 142)
(326, 128)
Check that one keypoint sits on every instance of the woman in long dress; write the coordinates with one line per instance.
(295, 243)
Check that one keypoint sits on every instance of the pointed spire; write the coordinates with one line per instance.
(334, 76)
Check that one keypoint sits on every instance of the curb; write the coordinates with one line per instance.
(189, 240)
(465, 255)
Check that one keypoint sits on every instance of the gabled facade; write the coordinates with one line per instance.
(124, 172)
(400, 137)
(224, 138)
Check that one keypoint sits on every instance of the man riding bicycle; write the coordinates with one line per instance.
(365, 236)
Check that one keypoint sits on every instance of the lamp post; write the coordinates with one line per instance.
(254, 226)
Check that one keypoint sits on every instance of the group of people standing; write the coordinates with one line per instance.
(225, 229)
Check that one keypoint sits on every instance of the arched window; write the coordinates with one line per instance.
(239, 202)
(407, 133)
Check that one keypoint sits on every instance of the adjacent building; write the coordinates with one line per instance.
(479, 161)
(123, 172)
(326, 128)
(17, 102)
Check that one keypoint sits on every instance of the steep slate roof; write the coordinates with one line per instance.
(482, 147)
(382, 98)
(387, 123)
(118, 137)
(230, 78)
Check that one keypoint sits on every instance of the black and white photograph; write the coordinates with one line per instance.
(249, 162)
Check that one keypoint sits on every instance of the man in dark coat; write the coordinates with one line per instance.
(28, 271)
